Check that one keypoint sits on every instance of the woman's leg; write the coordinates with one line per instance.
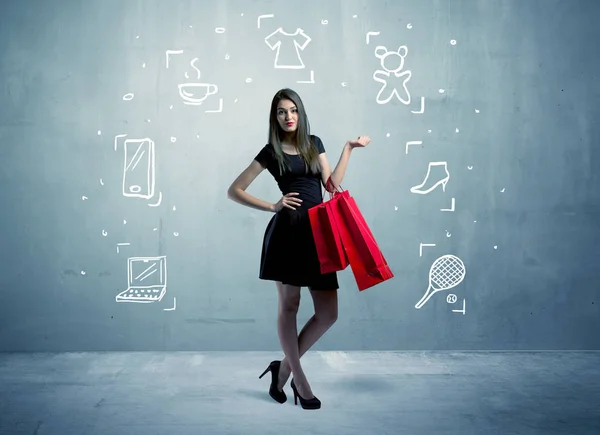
(289, 302)
(326, 313)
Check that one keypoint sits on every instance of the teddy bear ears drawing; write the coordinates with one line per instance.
(381, 51)
(391, 61)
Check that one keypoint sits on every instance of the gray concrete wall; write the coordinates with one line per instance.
(505, 93)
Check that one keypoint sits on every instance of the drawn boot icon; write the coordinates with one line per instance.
(433, 181)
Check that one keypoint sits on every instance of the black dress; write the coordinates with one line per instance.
(288, 253)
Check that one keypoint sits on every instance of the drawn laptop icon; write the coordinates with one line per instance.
(146, 280)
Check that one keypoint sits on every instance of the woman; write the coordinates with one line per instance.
(298, 163)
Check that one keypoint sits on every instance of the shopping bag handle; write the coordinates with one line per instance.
(331, 194)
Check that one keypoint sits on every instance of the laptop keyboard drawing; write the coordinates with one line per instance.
(146, 280)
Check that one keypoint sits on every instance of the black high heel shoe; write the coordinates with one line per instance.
(277, 395)
(313, 403)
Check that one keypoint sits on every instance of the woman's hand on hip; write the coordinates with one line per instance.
(288, 201)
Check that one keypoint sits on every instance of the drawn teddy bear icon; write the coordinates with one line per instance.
(392, 63)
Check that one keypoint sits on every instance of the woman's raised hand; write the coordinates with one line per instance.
(360, 142)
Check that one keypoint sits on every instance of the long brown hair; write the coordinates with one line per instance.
(301, 139)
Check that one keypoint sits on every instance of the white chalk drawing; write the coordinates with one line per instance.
(409, 26)
(312, 78)
(117, 139)
(445, 273)
(324, 22)
(168, 53)
(138, 167)
(392, 63)
(411, 143)
(83, 198)
(422, 109)
(128, 97)
(194, 93)
(174, 305)
(261, 17)
(220, 30)
(218, 110)
(448, 234)
(452, 207)
(130, 167)
(463, 311)
(287, 48)
(451, 299)
(470, 168)
(421, 245)
(433, 179)
(158, 202)
(369, 34)
(122, 244)
(146, 280)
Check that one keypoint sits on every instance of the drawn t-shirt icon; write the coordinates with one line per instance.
(288, 46)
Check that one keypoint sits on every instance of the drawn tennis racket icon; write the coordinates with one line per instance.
(446, 272)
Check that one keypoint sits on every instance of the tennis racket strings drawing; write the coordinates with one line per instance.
(446, 272)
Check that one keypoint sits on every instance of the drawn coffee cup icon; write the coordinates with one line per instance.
(196, 93)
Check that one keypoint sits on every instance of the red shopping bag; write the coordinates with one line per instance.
(326, 234)
(367, 262)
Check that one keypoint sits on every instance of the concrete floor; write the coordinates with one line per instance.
(363, 393)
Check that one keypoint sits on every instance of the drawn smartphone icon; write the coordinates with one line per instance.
(138, 168)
